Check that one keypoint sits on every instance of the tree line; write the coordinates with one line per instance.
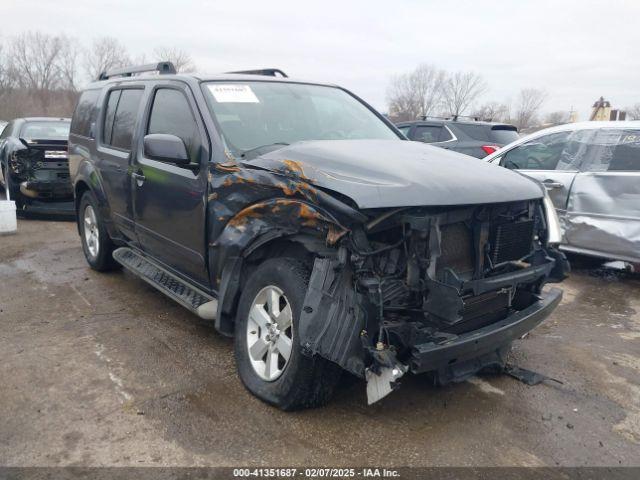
(430, 91)
(41, 74)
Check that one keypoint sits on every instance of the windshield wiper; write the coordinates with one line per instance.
(251, 151)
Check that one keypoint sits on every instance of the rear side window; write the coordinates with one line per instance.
(476, 132)
(172, 115)
(613, 150)
(427, 133)
(445, 135)
(109, 115)
(84, 116)
(500, 134)
(120, 117)
(405, 130)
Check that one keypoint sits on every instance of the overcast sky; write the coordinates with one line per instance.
(576, 50)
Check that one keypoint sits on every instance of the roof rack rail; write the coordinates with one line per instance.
(433, 117)
(268, 72)
(452, 117)
(161, 67)
(474, 118)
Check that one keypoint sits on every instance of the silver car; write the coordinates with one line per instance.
(592, 173)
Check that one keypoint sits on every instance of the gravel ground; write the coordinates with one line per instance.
(100, 369)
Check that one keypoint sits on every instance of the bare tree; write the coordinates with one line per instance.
(557, 118)
(633, 112)
(180, 59)
(529, 102)
(105, 53)
(6, 77)
(68, 64)
(417, 93)
(492, 112)
(35, 62)
(461, 90)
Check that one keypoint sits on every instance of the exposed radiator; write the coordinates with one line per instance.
(456, 249)
(511, 241)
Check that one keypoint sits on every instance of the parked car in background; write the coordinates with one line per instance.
(34, 166)
(297, 219)
(2, 125)
(470, 137)
(592, 173)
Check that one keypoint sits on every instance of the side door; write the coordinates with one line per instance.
(552, 159)
(603, 212)
(169, 199)
(120, 121)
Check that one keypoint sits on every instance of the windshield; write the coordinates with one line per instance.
(45, 130)
(256, 114)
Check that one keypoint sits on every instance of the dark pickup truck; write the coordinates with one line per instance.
(299, 221)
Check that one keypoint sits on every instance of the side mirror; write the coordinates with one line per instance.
(166, 148)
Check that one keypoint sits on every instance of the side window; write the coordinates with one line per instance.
(445, 135)
(542, 153)
(124, 117)
(405, 130)
(427, 133)
(171, 114)
(109, 115)
(84, 116)
(613, 150)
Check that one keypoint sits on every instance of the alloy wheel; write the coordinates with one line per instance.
(270, 333)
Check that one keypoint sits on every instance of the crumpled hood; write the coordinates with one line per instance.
(396, 173)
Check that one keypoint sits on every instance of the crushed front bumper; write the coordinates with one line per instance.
(484, 342)
(49, 190)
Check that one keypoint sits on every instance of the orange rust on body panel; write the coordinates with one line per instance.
(227, 167)
(310, 217)
(294, 167)
(301, 188)
(335, 234)
(236, 180)
(252, 211)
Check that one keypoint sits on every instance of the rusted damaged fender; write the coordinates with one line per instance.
(250, 207)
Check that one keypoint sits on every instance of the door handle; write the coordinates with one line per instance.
(140, 178)
(550, 184)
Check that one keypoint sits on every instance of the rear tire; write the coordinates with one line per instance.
(96, 243)
(291, 381)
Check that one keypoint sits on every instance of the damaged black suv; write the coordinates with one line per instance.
(297, 219)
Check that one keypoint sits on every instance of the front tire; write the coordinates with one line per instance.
(96, 243)
(268, 354)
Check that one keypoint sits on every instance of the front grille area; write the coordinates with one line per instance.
(511, 241)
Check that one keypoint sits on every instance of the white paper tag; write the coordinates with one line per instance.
(233, 93)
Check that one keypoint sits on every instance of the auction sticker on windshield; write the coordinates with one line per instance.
(233, 93)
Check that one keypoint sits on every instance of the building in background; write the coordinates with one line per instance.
(602, 112)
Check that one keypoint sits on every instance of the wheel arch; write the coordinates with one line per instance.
(297, 230)
(87, 179)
